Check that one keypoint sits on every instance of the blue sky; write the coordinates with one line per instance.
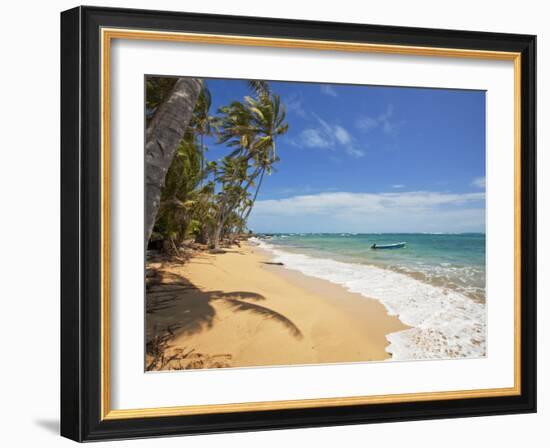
(371, 159)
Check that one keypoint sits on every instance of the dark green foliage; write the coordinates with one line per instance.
(208, 200)
(157, 90)
(178, 197)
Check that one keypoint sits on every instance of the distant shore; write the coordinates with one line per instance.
(237, 309)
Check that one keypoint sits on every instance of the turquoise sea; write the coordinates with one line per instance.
(455, 261)
(435, 284)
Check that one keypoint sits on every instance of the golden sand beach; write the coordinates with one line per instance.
(237, 310)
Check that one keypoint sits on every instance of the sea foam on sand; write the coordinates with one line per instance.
(444, 323)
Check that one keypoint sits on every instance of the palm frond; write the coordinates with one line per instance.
(260, 88)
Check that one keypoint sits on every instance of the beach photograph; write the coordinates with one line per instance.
(297, 223)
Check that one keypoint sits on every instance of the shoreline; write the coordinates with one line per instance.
(443, 322)
(234, 310)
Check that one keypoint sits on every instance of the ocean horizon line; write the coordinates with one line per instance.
(367, 233)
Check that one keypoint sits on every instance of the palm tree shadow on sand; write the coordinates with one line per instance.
(176, 307)
(241, 305)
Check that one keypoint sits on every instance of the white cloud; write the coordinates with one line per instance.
(366, 124)
(329, 202)
(324, 125)
(383, 122)
(294, 103)
(325, 135)
(342, 135)
(479, 182)
(329, 90)
(312, 138)
(417, 211)
(352, 151)
(398, 186)
(299, 190)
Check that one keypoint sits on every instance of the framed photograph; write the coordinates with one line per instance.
(275, 224)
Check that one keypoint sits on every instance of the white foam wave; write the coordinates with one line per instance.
(468, 280)
(445, 323)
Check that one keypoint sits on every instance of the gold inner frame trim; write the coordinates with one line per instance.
(107, 35)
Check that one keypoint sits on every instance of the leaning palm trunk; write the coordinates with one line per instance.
(162, 138)
(249, 209)
(225, 210)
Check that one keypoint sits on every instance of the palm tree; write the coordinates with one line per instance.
(251, 129)
(163, 135)
(260, 88)
(178, 120)
(235, 181)
(268, 116)
(203, 123)
(179, 195)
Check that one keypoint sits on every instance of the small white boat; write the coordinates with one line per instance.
(388, 246)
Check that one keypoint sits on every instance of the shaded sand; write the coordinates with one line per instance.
(236, 310)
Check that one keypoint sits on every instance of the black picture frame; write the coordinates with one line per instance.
(81, 224)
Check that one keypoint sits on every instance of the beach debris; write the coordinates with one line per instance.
(161, 356)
